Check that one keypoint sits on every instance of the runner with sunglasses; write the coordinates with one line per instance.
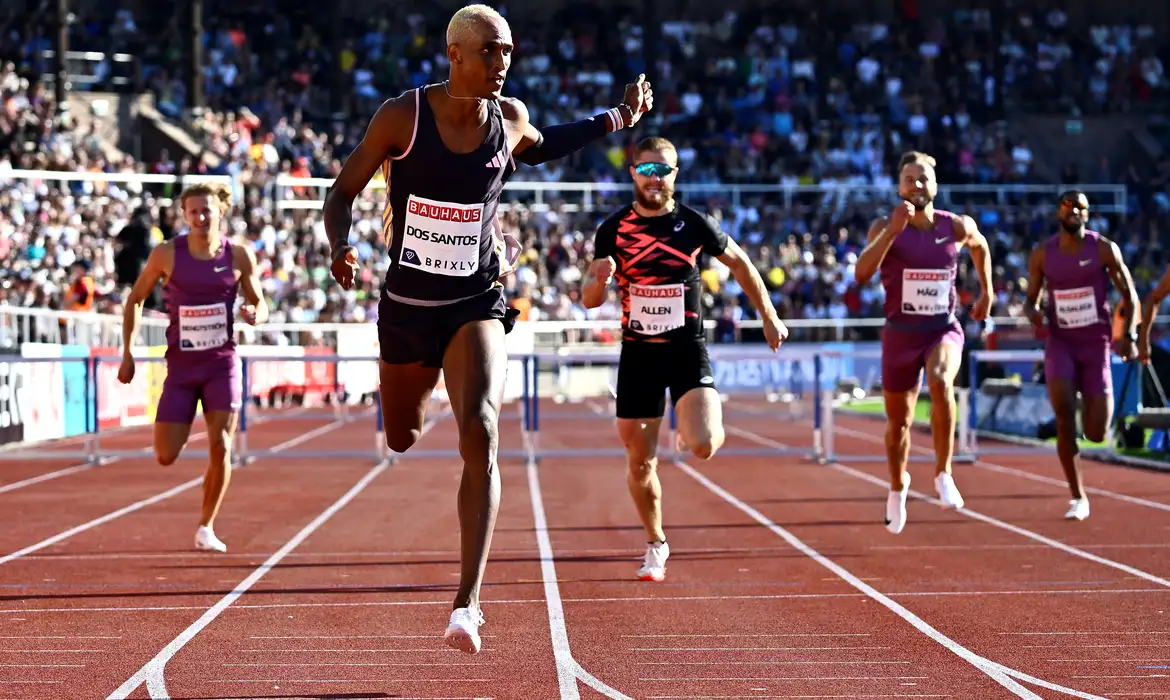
(652, 247)
(445, 151)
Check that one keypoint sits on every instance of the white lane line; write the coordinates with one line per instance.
(976, 515)
(50, 476)
(152, 672)
(568, 670)
(997, 672)
(108, 517)
(1020, 473)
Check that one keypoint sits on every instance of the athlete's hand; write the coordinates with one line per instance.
(1035, 316)
(248, 314)
(126, 371)
(1143, 348)
(345, 266)
(1126, 349)
(775, 332)
(604, 269)
(901, 216)
(640, 97)
(981, 309)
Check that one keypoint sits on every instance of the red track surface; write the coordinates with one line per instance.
(355, 609)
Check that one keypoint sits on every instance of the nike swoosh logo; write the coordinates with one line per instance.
(221, 269)
(940, 241)
(1085, 262)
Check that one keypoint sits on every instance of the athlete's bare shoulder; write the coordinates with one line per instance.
(514, 111)
(388, 134)
(242, 256)
(879, 224)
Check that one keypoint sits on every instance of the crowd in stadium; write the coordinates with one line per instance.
(751, 99)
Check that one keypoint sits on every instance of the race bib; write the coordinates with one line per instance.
(656, 309)
(926, 292)
(442, 238)
(203, 327)
(1075, 308)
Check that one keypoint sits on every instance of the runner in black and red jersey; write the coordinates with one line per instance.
(652, 247)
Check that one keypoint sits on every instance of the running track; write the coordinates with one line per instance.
(783, 582)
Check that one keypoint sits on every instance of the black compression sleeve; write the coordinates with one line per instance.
(560, 140)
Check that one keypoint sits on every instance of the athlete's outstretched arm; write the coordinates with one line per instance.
(1123, 281)
(753, 284)
(538, 146)
(256, 310)
(976, 242)
(1149, 311)
(155, 269)
(383, 135)
(1035, 286)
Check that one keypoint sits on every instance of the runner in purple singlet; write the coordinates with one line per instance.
(917, 251)
(1076, 266)
(203, 271)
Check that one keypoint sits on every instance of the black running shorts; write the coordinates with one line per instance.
(647, 370)
(408, 334)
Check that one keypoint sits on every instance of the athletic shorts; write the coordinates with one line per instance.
(647, 370)
(216, 384)
(1085, 363)
(905, 352)
(408, 333)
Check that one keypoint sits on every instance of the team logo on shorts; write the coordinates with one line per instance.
(410, 256)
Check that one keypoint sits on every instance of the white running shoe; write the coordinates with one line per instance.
(1078, 509)
(463, 630)
(654, 565)
(948, 493)
(206, 540)
(896, 507)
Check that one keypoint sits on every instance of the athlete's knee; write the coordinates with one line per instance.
(708, 445)
(642, 466)
(1095, 433)
(218, 445)
(167, 454)
(940, 380)
(402, 439)
(478, 429)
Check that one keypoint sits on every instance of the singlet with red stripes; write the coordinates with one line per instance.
(658, 269)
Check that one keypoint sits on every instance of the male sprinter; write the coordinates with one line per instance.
(652, 246)
(203, 271)
(446, 151)
(1076, 266)
(917, 250)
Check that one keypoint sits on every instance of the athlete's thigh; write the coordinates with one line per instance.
(221, 426)
(695, 396)
(1096, 386)
(902, 362)
(404, 390)
(944, 357)
(176, 410)
(475, 368)
(221, 396)
(639, 437)
(641, 382)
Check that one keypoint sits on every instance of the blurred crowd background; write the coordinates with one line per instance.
(756, 97)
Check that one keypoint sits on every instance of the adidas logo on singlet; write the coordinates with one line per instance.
(498, 160)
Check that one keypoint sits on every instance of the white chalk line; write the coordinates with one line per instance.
(986, 663)
(152, 673)
(139, 505)
(67, 471)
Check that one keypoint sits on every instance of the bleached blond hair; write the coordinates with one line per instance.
(465, 23)
(218, 192)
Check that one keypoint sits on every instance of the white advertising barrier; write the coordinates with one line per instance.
(42, 388)
(361, 340)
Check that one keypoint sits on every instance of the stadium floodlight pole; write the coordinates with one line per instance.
(60, 61)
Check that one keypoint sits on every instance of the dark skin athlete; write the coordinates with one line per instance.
(475, 362)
